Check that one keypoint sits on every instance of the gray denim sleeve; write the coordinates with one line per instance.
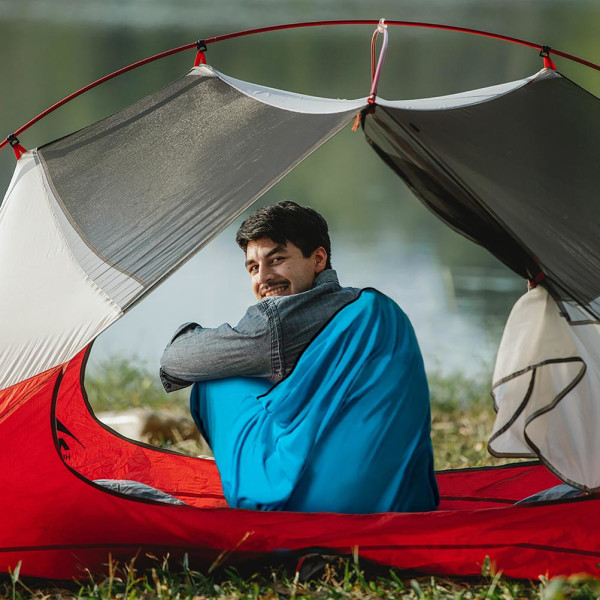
(196, 353)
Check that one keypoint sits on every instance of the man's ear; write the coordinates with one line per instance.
(320, 258)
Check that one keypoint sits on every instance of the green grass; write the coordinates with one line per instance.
(462, 417)
(330, 578)
(462, 421)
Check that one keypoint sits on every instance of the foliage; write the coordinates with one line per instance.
(457, 391)
(119, 383)
(462, 420)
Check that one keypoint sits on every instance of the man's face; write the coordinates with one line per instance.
(281, 269)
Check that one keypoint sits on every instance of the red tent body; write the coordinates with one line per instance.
(59, 523)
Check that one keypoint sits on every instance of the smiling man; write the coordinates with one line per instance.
(288, 254)
(317, 399)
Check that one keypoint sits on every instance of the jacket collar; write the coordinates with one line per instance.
(326, 276)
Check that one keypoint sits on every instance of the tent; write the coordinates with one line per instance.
(94, 221)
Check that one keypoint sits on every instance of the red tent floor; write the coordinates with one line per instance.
(58, 522)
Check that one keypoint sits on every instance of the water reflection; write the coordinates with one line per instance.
(456, 294)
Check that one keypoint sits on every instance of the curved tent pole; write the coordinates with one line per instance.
(92, 85)
(199, 46)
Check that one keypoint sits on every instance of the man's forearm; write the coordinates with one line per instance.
(198, 354)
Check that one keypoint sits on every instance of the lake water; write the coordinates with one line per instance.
(456, 294)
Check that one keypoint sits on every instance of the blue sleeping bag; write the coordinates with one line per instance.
(347, 431)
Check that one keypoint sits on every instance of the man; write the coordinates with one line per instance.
(317, 400)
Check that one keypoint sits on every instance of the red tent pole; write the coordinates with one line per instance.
(421, 24)
(94, 84)
(229, 36)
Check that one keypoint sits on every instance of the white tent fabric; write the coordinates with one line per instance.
(464, 99)
(316, 105)
(546, 379)
(49, 309)
(283, 99)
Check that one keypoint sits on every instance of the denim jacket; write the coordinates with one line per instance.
(267, 342)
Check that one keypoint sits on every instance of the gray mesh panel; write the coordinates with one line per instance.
(518, 174)
(151, 184)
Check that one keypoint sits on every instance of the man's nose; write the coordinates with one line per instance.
(265, 274)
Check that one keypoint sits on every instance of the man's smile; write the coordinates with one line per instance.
(276, 289)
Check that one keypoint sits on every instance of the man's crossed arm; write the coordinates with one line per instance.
(196, 353)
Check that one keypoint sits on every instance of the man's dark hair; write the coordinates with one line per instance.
(287, 222)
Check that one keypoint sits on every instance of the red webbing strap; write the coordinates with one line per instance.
(548, 62)
(533, 281)
(200, 57)
(18, 149)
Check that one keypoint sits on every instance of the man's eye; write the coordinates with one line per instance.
(252, 269)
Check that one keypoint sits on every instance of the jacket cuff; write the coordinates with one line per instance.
(172, 384)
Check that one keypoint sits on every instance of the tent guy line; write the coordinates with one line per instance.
(201, 46)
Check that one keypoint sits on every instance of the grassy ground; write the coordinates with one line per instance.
(331, 579)
(462, 417)
(462, 421)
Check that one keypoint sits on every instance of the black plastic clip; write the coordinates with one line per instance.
(201, 46)
(545, 51)
(15, 144)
